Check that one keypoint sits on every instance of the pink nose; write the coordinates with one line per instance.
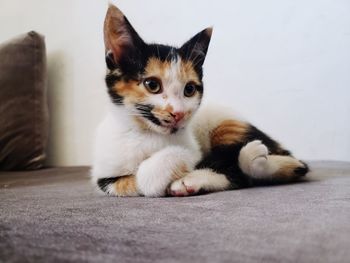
(178, 116)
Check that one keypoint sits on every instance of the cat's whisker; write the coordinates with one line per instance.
(196, 63)
(194, 48)
(196, 60)
(135, 115)
(117, 102)
(170, 53)
(158, 52)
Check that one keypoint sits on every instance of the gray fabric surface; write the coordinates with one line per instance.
(55, 215)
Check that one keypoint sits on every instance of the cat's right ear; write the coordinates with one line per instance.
(121, 40)
(196, 48)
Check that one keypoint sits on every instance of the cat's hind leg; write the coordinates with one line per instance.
(256, 162)
(199, 180)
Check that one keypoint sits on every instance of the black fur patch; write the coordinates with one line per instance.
(195, 51)
(110, 82)
(132, 64)
(224, 159)
(111, 79)
(110, 61)
(161, 52)
(146, 112)
(132, 55)
(274, 147)
(103, 183)
(200, 89)
(301, 171)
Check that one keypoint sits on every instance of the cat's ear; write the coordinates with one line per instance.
(196, 48)
(121, 40)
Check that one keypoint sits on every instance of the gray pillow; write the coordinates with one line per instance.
(23, 105)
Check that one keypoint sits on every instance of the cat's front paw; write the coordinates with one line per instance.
(157, 172)
(253, 158)
(185, 186)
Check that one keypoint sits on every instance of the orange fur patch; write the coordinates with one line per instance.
(286, 166)
(169, 108)
(163, 113)
(166, 112)
(126, 186)
(188, 73)
(156, 68)
(131, 91)
(228, 132)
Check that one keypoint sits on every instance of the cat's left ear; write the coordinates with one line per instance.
(196, 48)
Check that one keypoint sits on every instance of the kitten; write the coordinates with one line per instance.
(153, 142)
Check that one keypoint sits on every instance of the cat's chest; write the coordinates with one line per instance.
(135, 148)
(143, 146)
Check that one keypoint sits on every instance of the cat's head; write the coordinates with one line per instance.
(160, 86)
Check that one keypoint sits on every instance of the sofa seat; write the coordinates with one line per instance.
(56, 215)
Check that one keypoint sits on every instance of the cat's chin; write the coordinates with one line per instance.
(148, 126)
(165, 130)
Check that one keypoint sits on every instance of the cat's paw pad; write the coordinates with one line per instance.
(253, 158)
(184, 187)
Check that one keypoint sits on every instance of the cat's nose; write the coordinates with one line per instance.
(178, 116)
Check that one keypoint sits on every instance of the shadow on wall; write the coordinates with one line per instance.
(60, 99)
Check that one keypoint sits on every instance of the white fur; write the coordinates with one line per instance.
(122, 148)
(253, 159)
(157, 172)
(206, 119)
(202, 179)
(153, 156)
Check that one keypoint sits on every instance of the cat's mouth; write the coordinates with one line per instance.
(170, 122)
(167, 124)
(172, 126)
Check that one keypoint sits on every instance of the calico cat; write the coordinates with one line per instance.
(157, 140)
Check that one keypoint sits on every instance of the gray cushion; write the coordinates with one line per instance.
(23, 106)
(54, 215)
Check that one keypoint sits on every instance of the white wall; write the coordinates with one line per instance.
(284, 65)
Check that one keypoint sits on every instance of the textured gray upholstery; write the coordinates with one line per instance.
(55, 215)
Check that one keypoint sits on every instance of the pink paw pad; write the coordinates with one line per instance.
(190, 190)
(177, 193)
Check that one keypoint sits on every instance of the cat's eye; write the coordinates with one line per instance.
(190, 90)
(152, 85)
